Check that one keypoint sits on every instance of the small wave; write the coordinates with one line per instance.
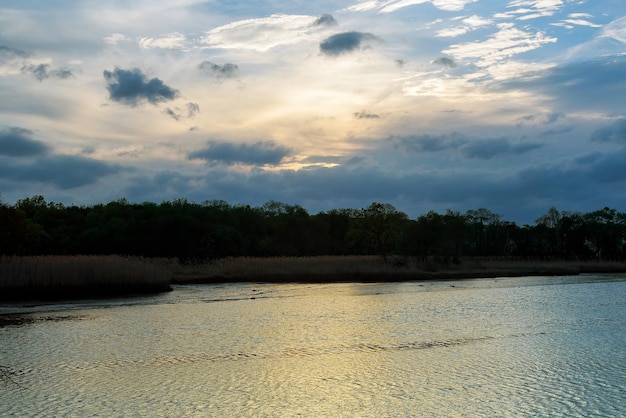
(288, 352)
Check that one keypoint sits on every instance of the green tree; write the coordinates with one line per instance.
(548, 233)
(377, 229)
(606, 233)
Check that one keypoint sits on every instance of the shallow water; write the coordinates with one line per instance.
(551, 347)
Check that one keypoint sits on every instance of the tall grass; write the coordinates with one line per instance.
(373, 268)
(69, 276)
(39, 275)
(294, 267)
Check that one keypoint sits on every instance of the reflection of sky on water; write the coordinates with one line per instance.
(460, 348)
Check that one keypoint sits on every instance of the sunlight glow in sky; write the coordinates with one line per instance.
(515, 106)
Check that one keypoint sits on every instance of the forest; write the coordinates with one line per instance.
(198, 232)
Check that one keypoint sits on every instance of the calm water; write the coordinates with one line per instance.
(553, 347)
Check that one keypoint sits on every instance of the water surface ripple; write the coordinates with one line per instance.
(542, 347)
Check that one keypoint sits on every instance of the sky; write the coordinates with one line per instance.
(515, 106)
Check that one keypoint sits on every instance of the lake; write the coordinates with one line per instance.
(531, 346)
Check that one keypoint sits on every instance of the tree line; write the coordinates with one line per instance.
(214, 229)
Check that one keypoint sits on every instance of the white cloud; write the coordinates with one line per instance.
(469, 24)
(507, 42)
(116, 38)
(170, 41)
(581, 22)
(579, 15)
(389, 6)
(364, 6)
(602, 44)
(452, 32)
(262, 34)
(532, 9)
(616, 29)
(392, 6)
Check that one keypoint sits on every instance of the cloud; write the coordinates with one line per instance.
(609, 168)
(521, 195)
(346, 42)
(132, 87)
(172, 113)
(227, 70)
(42, 72)
(170, 41)
(469, 24)
(389, 6)
(557, 130)
(262, 34)
(616, 29)
(365, 115)
(615, 132)
(600, 81)
(484, 149)
(9, 54)
(580, 22)
(192, 109)
(505, 43)
(62, 171)
(325, 20)
(175, 113)
(532, 9)
(491, 148)
(116, 38)
(259, 153)
(445, 62)
(554, 116)
(18, 142)
(428, 143)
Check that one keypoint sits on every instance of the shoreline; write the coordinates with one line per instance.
(273, 271)
(71, 278)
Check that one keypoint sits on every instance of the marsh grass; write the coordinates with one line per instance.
(373, 268)
(53, 276)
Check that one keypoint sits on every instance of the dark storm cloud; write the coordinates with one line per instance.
(343, 43)
(609, 168)
(490, 148)
(428, 143)
(365, 115)
(323, 159)
(43, 71)
(18, 142)
(62, 171)
(132, 87)
(615, 132)
(557, 130)
(325, 20)
(260, 153)
(227, 70)
(445, 62)
(518, 195)
(484, 149)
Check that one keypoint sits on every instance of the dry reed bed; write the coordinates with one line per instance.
(50, 277)
(55, 275)
(373, 268)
